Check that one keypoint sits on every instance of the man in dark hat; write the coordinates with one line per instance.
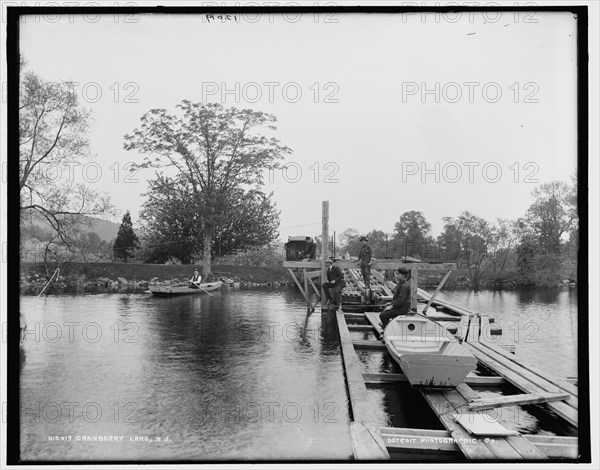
(364, 259)
(334, 285)
(400, 304)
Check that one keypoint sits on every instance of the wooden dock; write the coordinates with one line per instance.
(453, 407)
(468, 428)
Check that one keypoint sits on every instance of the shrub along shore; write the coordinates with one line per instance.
(133, 276)
(139, 276)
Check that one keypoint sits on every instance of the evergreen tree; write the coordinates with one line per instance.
(127, 241)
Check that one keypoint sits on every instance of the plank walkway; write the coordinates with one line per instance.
(447, 403)
(367, 443)
(527, 381)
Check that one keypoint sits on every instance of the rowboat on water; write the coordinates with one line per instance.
(427, 354)
(167, 291)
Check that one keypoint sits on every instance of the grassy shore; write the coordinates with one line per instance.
(77, 274)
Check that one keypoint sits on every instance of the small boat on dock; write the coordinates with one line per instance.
(169, 291)
(428, 355)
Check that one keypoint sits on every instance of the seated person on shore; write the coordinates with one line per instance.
(195, 280)
(311, 249)
(334, 285)
(400, 303)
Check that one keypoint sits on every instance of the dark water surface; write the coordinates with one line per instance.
(241, 375)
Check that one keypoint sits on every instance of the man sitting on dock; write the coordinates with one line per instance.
(195, 280)
(400, 303)
(334, 285)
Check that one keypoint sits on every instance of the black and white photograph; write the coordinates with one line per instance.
(299, 233)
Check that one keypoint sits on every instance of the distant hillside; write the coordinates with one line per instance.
(106, 230)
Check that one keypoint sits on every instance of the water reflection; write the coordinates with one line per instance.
(540, 323)
(244, 375)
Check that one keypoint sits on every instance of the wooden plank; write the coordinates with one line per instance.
(562, 384)
(357, 389)
(467, 392)
(443, 408)
(302, 264)
(536, 378)
(390, 378)
(525, 448)
(461, 311)
(325, 244)
(309, 306)
(366, 344)
(313, 274)
(518, 400)
(502, 447)
(381, 278)
(377, 264)
(366, 328)
(317, 291)
(561, 409)
(557, 451)
(355, 316)
(414, 283)
(435, 293)
(367, 443)
(374, 320)
(297, 282)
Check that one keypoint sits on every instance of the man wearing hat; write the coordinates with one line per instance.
(364, 259)
(400, 304)
(334, 285)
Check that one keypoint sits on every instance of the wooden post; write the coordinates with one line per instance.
(307, 293)
(439, 287)
(324, 245)
(414, 284)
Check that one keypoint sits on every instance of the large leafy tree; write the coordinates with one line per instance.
(412, 233)
(548, 235)
(216, 151)
(475, 236)
(349, 242)
(53, 130)
(553, 214)
(127, 241)
(173, 226)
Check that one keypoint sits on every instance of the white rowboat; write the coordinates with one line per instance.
(428, 355)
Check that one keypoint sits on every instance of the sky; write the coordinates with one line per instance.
(385, 113)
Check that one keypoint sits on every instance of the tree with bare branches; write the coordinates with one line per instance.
(53, 130)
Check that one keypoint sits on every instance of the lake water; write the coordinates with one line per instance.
(240, 375)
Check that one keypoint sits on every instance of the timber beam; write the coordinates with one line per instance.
(377, 264)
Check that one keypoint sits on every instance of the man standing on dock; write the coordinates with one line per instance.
(335, 282)
(364, 258)
(401, 301)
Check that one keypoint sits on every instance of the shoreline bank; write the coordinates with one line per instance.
(120, 277)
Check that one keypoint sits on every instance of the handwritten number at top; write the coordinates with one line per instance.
(210, 17)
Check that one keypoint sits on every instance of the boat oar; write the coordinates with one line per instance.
(205, 291)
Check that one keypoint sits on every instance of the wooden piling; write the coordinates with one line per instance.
(324, 244)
